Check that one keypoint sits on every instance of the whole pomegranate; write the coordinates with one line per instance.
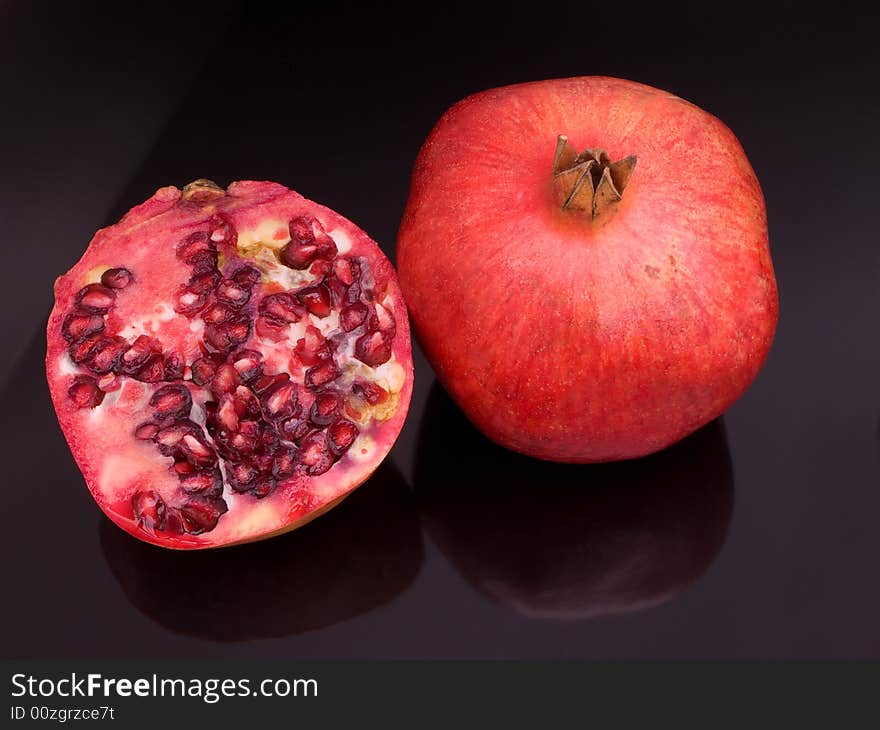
(587, 268)
(227, 365)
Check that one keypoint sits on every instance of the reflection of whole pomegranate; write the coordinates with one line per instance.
(593, 306)
(568, 540)
(228, 364)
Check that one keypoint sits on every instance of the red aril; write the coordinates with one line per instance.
(175, 404)
(587, 267)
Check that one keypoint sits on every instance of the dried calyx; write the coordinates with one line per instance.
(589, 181)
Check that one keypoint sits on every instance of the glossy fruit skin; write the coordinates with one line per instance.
(145, 241)
(575, 340)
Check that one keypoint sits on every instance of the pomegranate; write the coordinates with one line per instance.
(605, 539)
(353, 561)
(207, 372)
(586, 265)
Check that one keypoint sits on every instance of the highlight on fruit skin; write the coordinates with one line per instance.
(587, 268)
(227, 365)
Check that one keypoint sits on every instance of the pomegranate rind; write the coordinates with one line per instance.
(144, 240)
(579, 341)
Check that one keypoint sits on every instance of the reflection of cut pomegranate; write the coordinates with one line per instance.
(570, 541)
(594, 297)
(208, 359)
(358, 558)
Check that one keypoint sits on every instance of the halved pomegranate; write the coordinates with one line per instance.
(207, 380)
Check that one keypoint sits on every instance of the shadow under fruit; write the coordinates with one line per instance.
(357, 558)
(572, 541)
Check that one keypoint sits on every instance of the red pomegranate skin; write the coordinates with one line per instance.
(581, 340)
(115, 464)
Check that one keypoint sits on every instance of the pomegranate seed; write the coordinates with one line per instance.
(370, 392)
(321, 267)
(282, 308)
(109, 382)
(298, 257)
(106, 355)
(79, 324)
(247, 277)
(149, 510)
(173, 367)
(295, 429)
(81, 349)
(224, 337)
(243, 441)
(284, 463)
(230, 292)
(222, 231)
(197, 451)
(137, 353)
(271, 329)
(372, 349)
(116, 278)
(203, 370)
(152, 371)
(201, 515)
(217, 313)
(312, 348)
(343, 271)
(193, 244)
(204, 483)
(384, 322)
(183, 468)
(171, 400)
(204, 262)
(169, 437)
(316, 299)
(227, 416)
(279, 401)
(314, 454)
(302, 249)
(264, 486)
(246, 403)
(225, 379)
(268, 437)
(326, 248)
(353, 316)
(146, 431)
(324, 409)
(322, 374)
(265, 382)
(188, 303)
(203, 283)
(84, 392)
(96, 298)
(247, 364)
(242, 476)
(341, 436)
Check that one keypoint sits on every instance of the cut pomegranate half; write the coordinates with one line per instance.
(204, 375)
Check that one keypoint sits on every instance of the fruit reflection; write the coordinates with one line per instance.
(572, 541)
(356, 558)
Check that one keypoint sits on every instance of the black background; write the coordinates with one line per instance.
(103, 103)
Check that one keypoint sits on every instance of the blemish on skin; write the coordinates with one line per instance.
(652, 271)
(672, 260)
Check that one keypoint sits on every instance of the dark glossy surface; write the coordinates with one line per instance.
(756, 538)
